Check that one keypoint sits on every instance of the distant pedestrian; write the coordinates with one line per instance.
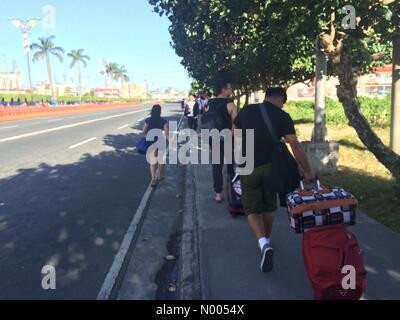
(203, 103)
(192, 110)
(156, 122)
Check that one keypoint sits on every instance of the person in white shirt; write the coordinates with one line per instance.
(192, 110)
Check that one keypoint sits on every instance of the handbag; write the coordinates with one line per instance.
(285, 176)
(142, 146)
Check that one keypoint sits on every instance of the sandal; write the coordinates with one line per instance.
(154, 183)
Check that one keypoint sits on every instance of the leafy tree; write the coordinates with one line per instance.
(121, 74)
(78, 57)
(110, 69)
(261, 43)
(44, 49)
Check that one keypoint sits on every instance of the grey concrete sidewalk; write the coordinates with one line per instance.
(229, 258)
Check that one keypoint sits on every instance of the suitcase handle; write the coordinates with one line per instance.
(318, 183)
(236, 176)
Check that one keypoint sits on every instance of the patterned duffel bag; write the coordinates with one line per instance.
(319, 207)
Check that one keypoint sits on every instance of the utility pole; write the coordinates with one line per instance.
(321, 64)
(323, 155)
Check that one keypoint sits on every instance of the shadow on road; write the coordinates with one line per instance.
(72, 216)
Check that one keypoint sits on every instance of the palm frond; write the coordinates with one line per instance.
(58, 55)
(59, 49)
(38, 56)
(36, 46)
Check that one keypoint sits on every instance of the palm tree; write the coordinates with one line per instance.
(44, 49)
(109, 70)
(78, 57)
(121, 74)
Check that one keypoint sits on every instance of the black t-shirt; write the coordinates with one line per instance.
(251, 118)
(156, 123)
(220, 105)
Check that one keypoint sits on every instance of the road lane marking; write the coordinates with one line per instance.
(81, 143)
(135, 131)
(36, 133)
(55, 120)
(123, 127)
(9, 127)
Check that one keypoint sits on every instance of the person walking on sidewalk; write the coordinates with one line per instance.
(258, 201)
(156, 122)
(223, 107)
(192, 110)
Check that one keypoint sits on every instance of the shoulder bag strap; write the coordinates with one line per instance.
(268, 123)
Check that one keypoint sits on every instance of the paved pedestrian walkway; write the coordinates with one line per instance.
(228, 256)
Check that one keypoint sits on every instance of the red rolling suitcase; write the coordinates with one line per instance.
(334, 263)
(234, 195)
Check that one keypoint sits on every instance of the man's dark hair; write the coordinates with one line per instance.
(277, 92)
(220, 85)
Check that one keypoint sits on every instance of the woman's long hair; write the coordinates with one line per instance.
(155, 112)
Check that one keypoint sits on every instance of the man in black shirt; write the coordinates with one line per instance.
(258, 201)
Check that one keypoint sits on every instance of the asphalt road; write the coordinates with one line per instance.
(69, 187)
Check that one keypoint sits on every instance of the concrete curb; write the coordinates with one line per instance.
(189, 287)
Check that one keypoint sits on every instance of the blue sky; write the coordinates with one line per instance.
(125, 31)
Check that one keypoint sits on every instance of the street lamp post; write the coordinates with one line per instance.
(25, 27)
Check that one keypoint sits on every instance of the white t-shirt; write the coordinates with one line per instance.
(190, 106)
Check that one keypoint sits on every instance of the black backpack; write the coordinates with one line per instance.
(213, 118)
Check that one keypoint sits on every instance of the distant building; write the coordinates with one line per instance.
(376, 84)
(107, 93)
(11, 81)
(43, 88)
(130, 90)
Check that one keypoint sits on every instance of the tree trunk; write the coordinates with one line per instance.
(238, 99)
(49, 73)
(347, 94)
(395, 123)
(246, 103)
